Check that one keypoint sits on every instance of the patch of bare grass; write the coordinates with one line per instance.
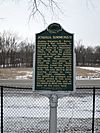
(11, 73)
(87, 73)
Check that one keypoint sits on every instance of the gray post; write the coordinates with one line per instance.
(93, 117)
(53, 114)
(1, 109)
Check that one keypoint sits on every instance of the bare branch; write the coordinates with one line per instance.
(90, 2)
(36, 8)
(43, 3)
(1, 18)
(53, 3)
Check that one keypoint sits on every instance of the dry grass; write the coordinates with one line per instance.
(11, 73)
(87, 73)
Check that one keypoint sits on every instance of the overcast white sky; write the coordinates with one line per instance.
(80, 17)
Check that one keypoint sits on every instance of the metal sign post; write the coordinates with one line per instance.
(53, 114)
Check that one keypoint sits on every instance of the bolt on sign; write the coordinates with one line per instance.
(54, 60)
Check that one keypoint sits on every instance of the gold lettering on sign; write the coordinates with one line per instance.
(54, 61)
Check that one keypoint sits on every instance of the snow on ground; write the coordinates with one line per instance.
(28, 74)
(76, 107)
(30, 114)
(96, 69)
(95, 75)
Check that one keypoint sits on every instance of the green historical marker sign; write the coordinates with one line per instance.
(54, 60)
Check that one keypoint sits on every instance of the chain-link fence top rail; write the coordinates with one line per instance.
(28, 112)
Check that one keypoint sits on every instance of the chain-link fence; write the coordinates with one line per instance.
(23, 111)
(97, 111)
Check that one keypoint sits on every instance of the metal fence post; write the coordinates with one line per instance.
(1, 109)
(53, 114)
(93, 115)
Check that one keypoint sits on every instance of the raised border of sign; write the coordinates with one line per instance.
(54, 28)
(48, 92)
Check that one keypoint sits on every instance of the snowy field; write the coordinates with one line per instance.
(30, 113)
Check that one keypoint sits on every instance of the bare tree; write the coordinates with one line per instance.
(80, 53)
(25, 54)
(90, 56)
(36, 7)
(8, 48)
(97, 55)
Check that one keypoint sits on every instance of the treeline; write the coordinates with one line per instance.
(14, 52)
(89, 56)
(17, 53)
